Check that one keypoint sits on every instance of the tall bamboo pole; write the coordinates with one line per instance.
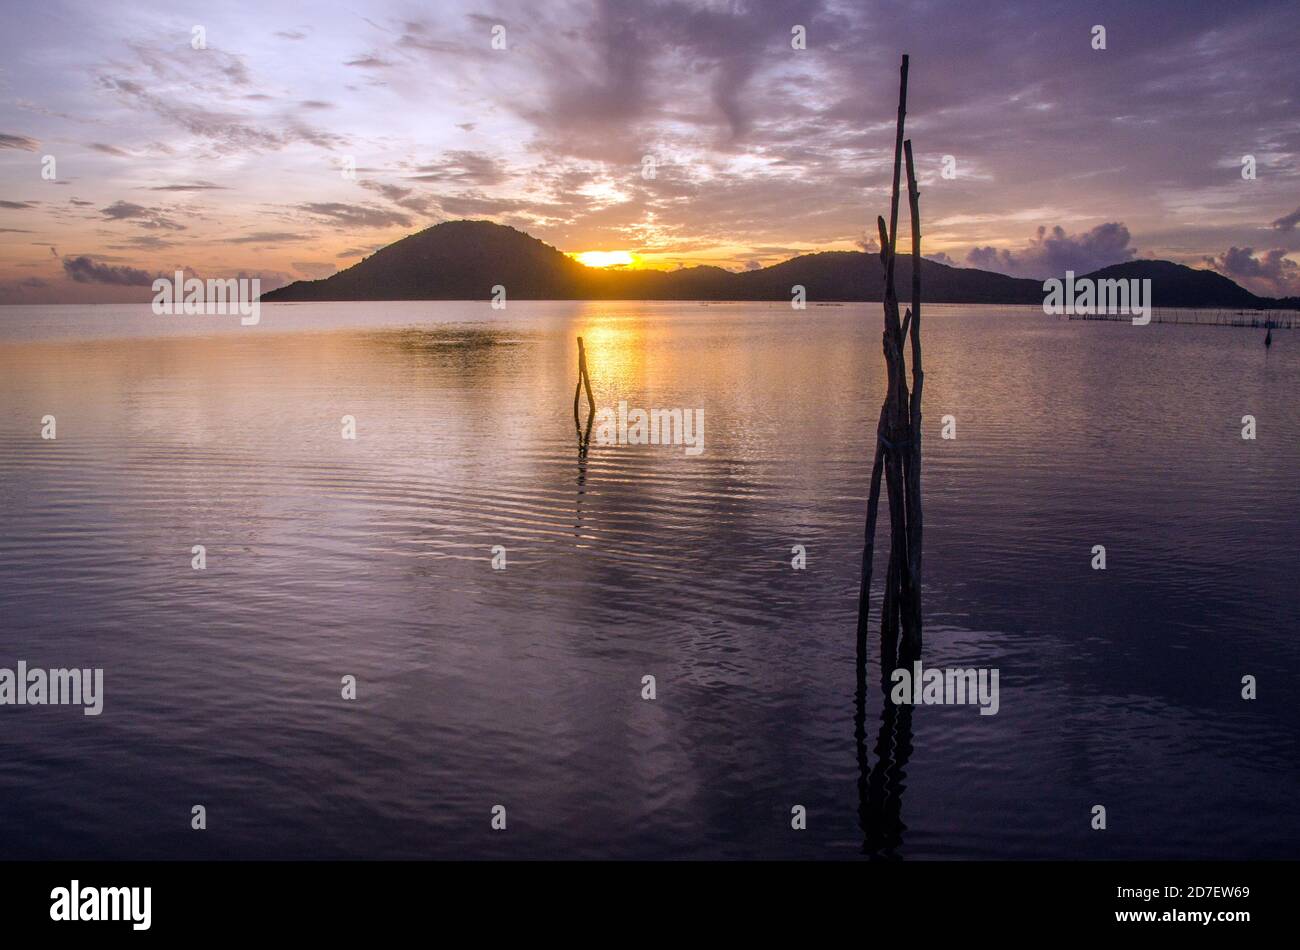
(914, 519)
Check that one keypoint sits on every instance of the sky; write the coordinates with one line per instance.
(296, 138)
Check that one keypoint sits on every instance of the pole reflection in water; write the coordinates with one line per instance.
(880, 787)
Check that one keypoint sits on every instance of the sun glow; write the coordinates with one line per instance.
(605, 258)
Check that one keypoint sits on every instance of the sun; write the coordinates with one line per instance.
(605, 258)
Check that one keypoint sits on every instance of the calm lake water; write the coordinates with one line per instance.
(476, 687)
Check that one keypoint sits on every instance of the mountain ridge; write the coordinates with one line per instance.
(464, 260)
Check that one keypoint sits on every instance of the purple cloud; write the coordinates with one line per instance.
(1288, 221)
(85, 270)
(1055, 252)
(1269, 272)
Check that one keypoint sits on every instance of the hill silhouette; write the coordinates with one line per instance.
(464, 260)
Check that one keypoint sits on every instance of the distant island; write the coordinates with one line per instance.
(463, 260)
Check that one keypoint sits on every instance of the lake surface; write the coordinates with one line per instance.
(522, 687)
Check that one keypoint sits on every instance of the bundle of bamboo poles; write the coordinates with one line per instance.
(898, 434)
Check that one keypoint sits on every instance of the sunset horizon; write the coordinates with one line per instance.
(693, 137)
